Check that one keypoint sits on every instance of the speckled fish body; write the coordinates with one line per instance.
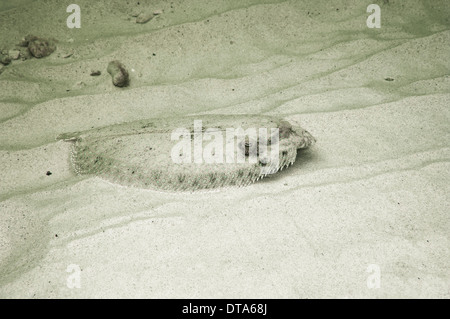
(141, 153)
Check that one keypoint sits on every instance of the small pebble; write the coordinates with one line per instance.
(119, 73)
(40, 48)
(95, 72)
(14, 54)
(25, 54)
(4, 58)
(389, 79)
(48, 173)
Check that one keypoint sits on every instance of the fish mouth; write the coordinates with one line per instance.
(302, 138)
(308, 139)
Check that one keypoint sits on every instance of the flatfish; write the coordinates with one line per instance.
(188, 153)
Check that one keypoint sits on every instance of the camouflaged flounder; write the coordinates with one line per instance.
(140, 153)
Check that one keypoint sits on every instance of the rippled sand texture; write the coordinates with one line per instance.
(372, 191)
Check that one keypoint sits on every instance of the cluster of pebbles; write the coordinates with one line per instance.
(33, 46)
(119, 74)
(30, 46)
(37, 47)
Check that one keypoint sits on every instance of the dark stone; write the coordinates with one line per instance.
(118, 73)
(41, 48)
(4, 58)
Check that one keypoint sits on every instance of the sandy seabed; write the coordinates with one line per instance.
(371, 198)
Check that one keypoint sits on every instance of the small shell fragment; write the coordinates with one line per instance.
(144, 17)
